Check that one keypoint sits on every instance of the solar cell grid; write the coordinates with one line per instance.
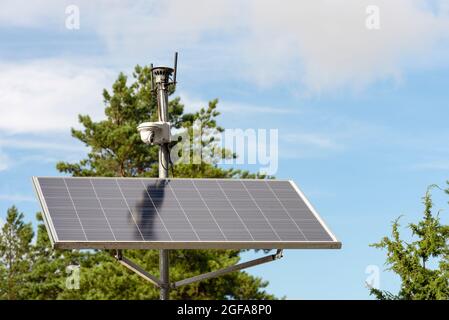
(179, 213)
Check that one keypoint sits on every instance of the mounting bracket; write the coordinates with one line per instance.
(137, 269)
(154, 280)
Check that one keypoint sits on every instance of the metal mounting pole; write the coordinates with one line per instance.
(164, 265)
(162, 102)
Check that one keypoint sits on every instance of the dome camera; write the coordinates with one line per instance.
(154, 132)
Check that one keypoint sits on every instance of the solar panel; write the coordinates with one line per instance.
(147, 213)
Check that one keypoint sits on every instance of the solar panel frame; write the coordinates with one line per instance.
(174, 244)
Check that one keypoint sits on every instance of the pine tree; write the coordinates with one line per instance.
(15, 255)
(420, 280)
(49, 268)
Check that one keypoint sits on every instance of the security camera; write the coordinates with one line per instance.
(154, 132)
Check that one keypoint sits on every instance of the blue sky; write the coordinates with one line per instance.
(362, 114)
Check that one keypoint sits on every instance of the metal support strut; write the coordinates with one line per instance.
(164, 283)
(236, 267)
(137, 269)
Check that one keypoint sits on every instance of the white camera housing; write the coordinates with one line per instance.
(154, 132)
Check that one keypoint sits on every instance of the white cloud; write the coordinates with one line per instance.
(312, 140)
(319, 45)
(323, 45)
(38, 143)
(22, 13)
(17, 198)
(194, 104)
(243, 108)
(47, 148)
(331, 43)
(310, 145)
(47, 95)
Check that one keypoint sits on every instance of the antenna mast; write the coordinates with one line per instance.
(161, 78)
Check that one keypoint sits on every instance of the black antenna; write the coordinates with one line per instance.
(151, 77)
(175, 68)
